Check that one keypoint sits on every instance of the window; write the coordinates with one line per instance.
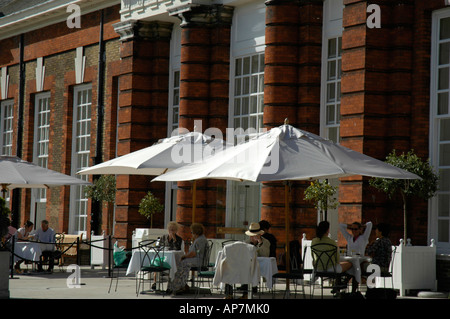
(41, 137)
(6, 129)
(440, 129)
(330, 100)
(332, 109)
(249, 92)
(81, 143)
(7, 118)
(248, 108)
(175, 104)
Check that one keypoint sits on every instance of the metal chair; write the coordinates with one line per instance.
(118, 267)
(324, 265)
(153, 261)
(296, 273)
(202, 271)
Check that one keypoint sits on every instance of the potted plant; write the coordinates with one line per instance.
(103, 190)
(150, 205)
(424, 188)
(321, 193)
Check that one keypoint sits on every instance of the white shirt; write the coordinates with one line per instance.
(359, 245)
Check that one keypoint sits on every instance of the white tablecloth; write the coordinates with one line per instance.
(268, 268)
(172, 257)
(355, 271)
(27, 250)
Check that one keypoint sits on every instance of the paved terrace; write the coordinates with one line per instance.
(36, 288)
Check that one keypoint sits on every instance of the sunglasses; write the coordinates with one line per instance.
(353, 228)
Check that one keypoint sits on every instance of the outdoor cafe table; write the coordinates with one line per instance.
(172, 257)
(267, 267)
(27, 250)
(356, 261)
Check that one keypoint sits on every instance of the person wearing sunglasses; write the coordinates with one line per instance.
(357, 237)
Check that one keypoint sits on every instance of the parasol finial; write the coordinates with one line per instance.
(286, 121)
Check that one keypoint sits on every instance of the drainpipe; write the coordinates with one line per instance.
(17, 193)
(96, 207)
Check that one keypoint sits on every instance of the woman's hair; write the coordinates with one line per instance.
(322, 228)
(357, 224)
(197, 229)
(173, 225)
(384, 228)
(28, 223)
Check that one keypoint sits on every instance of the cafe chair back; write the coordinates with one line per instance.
(203, 272)
(324, 264)
(296, 271)
(153, 261)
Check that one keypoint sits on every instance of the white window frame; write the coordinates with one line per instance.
(435, 122)
(7, 130)
(171, 189)
(332, 29)
(244, 45)
(6, 134)
(41, 142)
(77, 192)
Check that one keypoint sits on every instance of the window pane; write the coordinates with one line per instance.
(238, 67)
(333, 134)
(443, 230)
(255, 64)
(237, 106)
(246, 85)
(444, 205)
(332, 48)
(237, 87)
(331, 92)
(444, 53)
(253, 104)
(246, 66)
(254, 84)
(331, 114)
(444, 180)
(444, 30)
(444, 155)
(443, 79)
(245, 106)
(442, 103)
(444, 130)
(261, 63)
(331, 70)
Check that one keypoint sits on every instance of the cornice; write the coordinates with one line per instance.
(45, 14)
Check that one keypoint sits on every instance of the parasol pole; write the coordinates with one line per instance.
(194, 198)
(286, 219)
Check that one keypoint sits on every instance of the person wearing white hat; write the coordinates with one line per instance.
(254, 233)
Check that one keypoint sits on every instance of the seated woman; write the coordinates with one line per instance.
(172, 241)
(359, 237)
(322, 231)
(191, 259)
(381, 249)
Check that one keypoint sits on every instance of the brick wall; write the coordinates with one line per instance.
(57, 45)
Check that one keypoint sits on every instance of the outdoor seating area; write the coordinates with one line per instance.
(139, 268)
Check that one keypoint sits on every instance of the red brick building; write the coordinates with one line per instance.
(374, 78)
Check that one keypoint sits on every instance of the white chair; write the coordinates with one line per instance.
(237, 264)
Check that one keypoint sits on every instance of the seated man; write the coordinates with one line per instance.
(46, 235)
(262, 245)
